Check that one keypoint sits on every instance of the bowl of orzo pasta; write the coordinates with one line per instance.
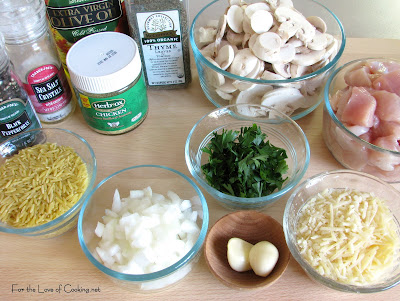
(46, 175)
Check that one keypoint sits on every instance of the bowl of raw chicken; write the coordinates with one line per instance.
(273, 53)
(361, 119)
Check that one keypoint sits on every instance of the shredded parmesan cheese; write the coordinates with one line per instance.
(348, 236)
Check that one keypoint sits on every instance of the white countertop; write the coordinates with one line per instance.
(360, 18)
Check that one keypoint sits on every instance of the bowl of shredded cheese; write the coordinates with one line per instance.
(45, 176)
(342, 228)
(144, 227)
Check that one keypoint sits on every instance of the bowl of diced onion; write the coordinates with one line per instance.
(342, 227)
(144, 227)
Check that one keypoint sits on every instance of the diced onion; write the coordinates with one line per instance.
(146, 232)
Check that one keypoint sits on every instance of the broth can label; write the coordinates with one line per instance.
(116, 114)
(48, 90)
(72, 20)
(161, 41)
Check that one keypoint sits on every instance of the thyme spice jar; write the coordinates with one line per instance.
(106, 72)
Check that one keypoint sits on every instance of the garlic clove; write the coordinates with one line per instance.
(263, 257)
(238, 254)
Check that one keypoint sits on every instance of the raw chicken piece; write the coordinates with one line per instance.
(359, 77)
(360, 108)
(357, 129)
(383, 159)
(382, 67)
(389, 82)
(339, 100)
(386, 128)
(387, 105)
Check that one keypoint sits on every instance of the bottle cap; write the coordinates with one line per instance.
(104, 62)
(22, 21)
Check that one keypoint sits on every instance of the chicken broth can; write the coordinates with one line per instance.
(106, 72)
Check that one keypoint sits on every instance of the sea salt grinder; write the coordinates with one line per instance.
(33, 53)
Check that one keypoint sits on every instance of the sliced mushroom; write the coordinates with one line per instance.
(252, 8)
(247, 25)
(227, 87)
(295, 42)
(314, 85)
(297, 70)
(243, 63)
(331, 50)
(220, 32)
(214, 78)
(287, 53)
(282, 69)
(205, 36)
(267, 46)
(261, 21)
(225, 56)
(293, 21)
(307, 57)
(285, 100)
(234, 38)
(235, 18)
(209, 50)
(251, 96)
(268, 75)
(224, 95)
(246, 38)
(318, 23)
(319, 42)
(273, 4)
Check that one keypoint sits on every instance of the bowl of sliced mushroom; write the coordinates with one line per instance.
(277, 53)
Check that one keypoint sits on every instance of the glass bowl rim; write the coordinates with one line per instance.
(332, 115)
(43, 229)
(136, 278)
(250, 201)
(203, 60)
(303, 263)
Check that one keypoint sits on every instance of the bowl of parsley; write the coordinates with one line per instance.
(247, 156)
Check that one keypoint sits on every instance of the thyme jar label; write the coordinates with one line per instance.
(16, 116)
(160, 38)
(116, 114)
(48, 89)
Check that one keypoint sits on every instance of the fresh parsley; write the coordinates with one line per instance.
(244, 164)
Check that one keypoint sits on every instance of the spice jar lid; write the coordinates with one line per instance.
(103, 62)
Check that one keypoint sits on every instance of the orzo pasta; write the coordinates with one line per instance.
(40, 183)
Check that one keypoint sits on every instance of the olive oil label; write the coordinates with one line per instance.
(72, 20)
(160, 38)
(116, 114)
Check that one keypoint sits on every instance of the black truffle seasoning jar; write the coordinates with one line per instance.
(160, 29)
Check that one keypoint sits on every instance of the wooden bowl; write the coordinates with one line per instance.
(253, 227)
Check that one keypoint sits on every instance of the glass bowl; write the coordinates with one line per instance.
(341, 179)
(369, 146)
(161, 179)
(295, 95)
(61, 137)
(281, 131)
